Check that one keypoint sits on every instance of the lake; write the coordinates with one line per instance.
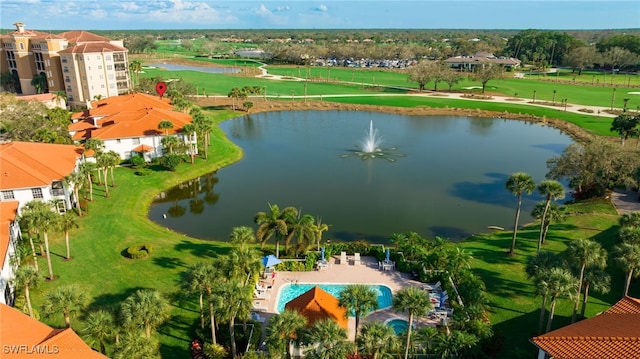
(447, 178)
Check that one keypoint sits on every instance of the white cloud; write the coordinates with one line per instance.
(322, 8)
(262, 11)
(281, 8)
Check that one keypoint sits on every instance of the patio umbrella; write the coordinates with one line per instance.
(270, 260)
(441, 299)
(322, 253)
(386, 258)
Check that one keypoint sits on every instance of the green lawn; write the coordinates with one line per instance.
(514, 310)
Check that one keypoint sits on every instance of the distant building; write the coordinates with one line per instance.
(82, 64)
(469, 63)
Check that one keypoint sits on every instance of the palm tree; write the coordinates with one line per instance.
(133, 345)
(112, 160)
(76, 180)
(44, 219)
(237, 302)
(329, 339)
(282, 330)
(165, 125)
(27, 224)
(631, 219)
(555, 214)
(204, 126)
(269, 224)
(377, 340)
(541, 289)
(242, 236)
(86, 168)
(454, 344)
(195, 281)
(242, 263)
(597, 279)
(426, 337)
(135, 66)
(627, 255)
(360, 300)
(301, 229)
(415, 301)
(99, 327)
(27, 277)
(518, 183)
(552, 190)
(457, 260)
(189, 129)
(67, 300)
(103, 162)
(318, 228)
(560, 283)
(146, 308)
(169, 144)
(585, 253)
(67, 223)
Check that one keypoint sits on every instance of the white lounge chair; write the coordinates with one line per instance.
(259, 306)
(343, 257)
(356, 259)
(260, 295)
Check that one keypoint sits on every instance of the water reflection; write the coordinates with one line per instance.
(198, 192)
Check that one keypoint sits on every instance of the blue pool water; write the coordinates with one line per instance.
(399, 325)
(291, 291)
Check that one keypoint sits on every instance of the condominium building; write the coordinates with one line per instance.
(85, 66)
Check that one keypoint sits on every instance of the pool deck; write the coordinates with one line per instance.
(366, 272)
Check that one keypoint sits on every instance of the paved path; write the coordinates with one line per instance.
(625, 201)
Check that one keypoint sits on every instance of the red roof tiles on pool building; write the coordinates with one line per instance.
(316, 304)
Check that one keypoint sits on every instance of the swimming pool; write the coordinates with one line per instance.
(399, 325)
(289, 291)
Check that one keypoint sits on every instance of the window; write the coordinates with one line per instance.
(99, 67)
(37, 193)
(136, 141)
(118, 140)
(109, 67)
(7, 195)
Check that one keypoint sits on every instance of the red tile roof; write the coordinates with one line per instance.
(26, 338)
(31, 164)
(8, 213)
(80, 36)
(131, 102)
(128, 124)
(92, 47)
(317, 304)
(612, 334)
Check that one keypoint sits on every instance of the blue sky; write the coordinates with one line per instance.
(321, 14)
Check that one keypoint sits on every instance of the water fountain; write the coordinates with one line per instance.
(372, 140)
(370, 147)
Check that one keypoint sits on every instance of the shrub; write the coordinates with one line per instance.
(138, 162)
(143, 172)
(139, 251)
(170, 161)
